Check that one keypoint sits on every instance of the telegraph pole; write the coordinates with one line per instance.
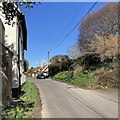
(48, 57)
(39, 63)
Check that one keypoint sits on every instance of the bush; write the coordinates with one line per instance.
(29, 75)
(66, 65)
(54, 69)
(90, 61)
(78, 70)
(82, 79)
(64, 76)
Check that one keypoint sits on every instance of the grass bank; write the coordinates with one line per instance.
(92, 79)
(24, 105)
(84, 79)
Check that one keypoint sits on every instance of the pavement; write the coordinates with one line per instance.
(110, 94)
(60, 100)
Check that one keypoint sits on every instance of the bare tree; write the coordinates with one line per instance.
(59, 58)
(74, 51)
(107, 48)
(98, 26)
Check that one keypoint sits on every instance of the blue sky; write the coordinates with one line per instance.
(48, 23)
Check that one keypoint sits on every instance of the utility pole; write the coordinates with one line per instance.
(48, 57)
(39, 63)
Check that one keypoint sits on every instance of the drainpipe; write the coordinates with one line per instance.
(19, 59)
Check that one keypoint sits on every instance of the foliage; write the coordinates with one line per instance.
(97, 27)
(26, 64)
(54, 69)
(23, 106)
(10, 10)
(89, 61)
(29, 75)
(29, 91)
(59, 58)
(67, 76)
(66, 65)
(107, 48)
(92, 79)
(82, 80)
(74, 51)
(63, 76)
(77, 70)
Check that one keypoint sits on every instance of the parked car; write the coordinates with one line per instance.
(40, 76)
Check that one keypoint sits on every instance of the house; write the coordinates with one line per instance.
(43, 69)
(33, 71)
(16, 41)
(5, 69)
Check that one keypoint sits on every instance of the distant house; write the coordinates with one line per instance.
(33, 71)
(43, 69)
(16, 41)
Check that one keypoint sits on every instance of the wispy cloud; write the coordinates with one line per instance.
(43, 61)
(39, 63)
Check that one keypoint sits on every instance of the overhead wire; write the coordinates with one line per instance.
(74, 27)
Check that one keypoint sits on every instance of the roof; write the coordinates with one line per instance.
(21, 18)
(36, 69)
(45, 68)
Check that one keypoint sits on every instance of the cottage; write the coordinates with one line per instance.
(16, 41)
(34, 71)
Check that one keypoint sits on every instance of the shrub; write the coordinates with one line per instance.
(64, 76)
(54, 69)
(66, 65)
(82, 81)
(29, 75)
(77, 70)
(90, 61)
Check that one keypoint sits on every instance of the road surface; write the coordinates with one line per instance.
(60, 100)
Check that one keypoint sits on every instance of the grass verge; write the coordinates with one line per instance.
(23, 106)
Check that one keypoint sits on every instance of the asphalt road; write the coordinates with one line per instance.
(60, 100)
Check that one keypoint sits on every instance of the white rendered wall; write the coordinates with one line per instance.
(21, 57)
(11, 37)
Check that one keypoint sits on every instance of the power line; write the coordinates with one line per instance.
(72, 19)
(74, 27)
